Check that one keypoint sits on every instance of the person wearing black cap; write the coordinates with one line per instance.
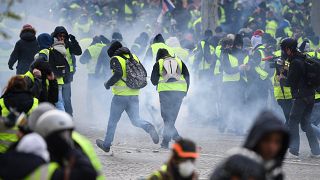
(171, 76)
(72, 49)
(181, 165)
(303, 99)
(124, 99)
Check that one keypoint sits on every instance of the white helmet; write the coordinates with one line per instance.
(34, 116)
(53, 121)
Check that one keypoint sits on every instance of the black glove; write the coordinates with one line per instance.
(72, 37)
(11, 120)
(106, 85)
(10, 67)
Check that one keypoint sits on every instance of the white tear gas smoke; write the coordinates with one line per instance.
(201, 107)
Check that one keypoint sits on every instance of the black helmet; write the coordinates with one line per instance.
(289, 43)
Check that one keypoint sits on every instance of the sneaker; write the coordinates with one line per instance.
(154, 135)
(101, 146)
(313, 156)
(293, 157)
(164, 145)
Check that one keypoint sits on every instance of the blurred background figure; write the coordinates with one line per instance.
(181, 164)
(24, 50)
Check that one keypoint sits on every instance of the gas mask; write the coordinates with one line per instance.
(186, 168)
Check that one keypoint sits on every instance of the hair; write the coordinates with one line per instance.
(16, 83)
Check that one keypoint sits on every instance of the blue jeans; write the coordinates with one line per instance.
(130, 104)
(315, 119)
(170, 103)
(60, 103)
(66, 94)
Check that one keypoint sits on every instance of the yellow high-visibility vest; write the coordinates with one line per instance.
(179, 85)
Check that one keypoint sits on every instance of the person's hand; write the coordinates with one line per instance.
(242, 67)
(72, 37)
(10, 67)
(106, 86)
(37, 73)
(248, 67)
(50, 77)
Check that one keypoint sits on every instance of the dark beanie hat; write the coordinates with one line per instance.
(238, 40)
(162, 53)
(114, 47)
(117, 36)
(158, 39)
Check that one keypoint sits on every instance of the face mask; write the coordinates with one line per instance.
(186, 168)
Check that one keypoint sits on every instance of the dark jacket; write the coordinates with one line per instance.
(243, 165)
(39, 87)
(295, 78)
(17, 165)
(71, 44)
(21, 101)
(267, 123)
(24, 52)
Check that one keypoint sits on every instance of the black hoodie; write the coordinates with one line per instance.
(24, 51)
(267, 123)
(22, 101)
(72, 45)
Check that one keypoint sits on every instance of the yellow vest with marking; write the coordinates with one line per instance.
(180, 85)
(222, 18)
(44, 172)
(9, 136)
(94, 51)
(88, 149)
(231, 77)
(120, 88)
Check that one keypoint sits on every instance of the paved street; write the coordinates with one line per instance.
(134, 156)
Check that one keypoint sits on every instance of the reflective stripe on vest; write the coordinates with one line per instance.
(232, 77)
(31, 77)
(88, 149)
(44, 172)
(120, 88)
(94, 51)
(156, 46)
(159, 173)
(180, 85)
(204, 65)
(69, 59)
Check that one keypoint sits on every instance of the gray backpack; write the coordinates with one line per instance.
(136, 73)
(171, 70)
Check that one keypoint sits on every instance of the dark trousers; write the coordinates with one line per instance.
(170, 103)
(300, 114)
(130, 104)
(286, 105)
(66, 95)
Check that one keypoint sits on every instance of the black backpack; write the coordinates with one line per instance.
(58, 63)
(312, 73)
(136, 73)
